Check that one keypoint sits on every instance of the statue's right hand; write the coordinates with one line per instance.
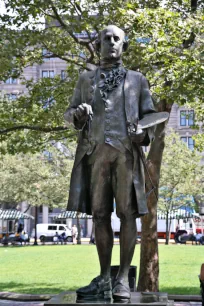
(83, 112)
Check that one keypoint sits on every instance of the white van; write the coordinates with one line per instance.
(46, 232)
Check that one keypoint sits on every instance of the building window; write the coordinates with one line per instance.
(191, 118)
(11, 81)
(45, 53)
(63, 74)
(48, 74)
(48, 155)
(50, 210)
(189, 141)
(48, 102)
(186, 118)
(11, 96)
(184, 139)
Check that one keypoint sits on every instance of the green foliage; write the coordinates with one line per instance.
(39, 179)
(181, 175)
(169, 54)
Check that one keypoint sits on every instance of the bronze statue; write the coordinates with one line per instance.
(105, 108)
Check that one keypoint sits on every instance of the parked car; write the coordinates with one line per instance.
(46, 231)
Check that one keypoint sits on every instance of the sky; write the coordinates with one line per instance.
(3, 11)
(2, 7)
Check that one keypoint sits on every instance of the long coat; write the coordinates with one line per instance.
(138, 104)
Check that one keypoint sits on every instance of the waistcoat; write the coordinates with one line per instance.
(109, 118)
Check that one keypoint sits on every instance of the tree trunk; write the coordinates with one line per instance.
(79, 231)
(36, 221)
(167, 228)
(149, 258)
(169, 235)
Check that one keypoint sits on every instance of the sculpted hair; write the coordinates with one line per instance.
(98, 41)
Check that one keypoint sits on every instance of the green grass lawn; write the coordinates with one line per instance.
(55, 268)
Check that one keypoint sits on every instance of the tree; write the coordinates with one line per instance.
(39, 179)
(161, 42)
(165, 44)
(180, 169)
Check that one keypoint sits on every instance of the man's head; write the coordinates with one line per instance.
(111, 42)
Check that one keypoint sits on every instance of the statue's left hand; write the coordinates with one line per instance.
(138, 138)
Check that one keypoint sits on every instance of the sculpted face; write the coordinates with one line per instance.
(112, 39)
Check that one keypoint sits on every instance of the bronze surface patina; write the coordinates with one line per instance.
(106, 103)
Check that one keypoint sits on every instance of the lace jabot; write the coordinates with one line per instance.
(110, 78)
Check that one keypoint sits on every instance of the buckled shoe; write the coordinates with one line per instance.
(98, 288)
(121, 291)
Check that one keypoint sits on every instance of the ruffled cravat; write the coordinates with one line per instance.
(110, 78)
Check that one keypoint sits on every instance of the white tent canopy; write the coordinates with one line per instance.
(13, 214)
(72, 215)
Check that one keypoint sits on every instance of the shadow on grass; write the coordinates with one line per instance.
(181, 290)
(34, 288)
(43, 288)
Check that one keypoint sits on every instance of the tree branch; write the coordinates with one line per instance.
(38, 7)
(65, 26)
(90, 46)
(69, 60)
(82, 42)
(34, 128)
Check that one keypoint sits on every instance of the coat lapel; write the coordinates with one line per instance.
(89, 87)
(131, 93)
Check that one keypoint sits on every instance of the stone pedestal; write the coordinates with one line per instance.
(69, 298)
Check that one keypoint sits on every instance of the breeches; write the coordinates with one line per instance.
(110, 174)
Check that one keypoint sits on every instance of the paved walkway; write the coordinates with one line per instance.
(17, 303)
(18, 299)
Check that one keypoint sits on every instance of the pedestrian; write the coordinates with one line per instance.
(74, 234)
(56, 238)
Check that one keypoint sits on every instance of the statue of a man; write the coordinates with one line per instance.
(108, 165)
